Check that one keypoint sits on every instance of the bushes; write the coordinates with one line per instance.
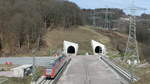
(143, 36)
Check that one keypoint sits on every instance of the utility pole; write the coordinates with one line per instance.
(34, 60)
(131, 52)
(34, 68)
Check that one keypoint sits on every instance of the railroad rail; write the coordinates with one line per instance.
(123, 73)
(43, 80)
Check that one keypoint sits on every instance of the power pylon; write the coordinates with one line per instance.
(107, 19)
(94, 18)
(131, 52)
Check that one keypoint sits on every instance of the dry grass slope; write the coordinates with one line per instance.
(82, 35)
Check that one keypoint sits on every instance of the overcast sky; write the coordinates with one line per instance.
(92, 4)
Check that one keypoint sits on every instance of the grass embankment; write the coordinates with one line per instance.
(82, 35)
(117, 40)
(144, 74)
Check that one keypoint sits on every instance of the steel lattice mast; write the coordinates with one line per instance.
(131, 52)
(108, 20)
(94, 18)
(107, 25)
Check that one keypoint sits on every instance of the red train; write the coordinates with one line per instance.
(55, 66)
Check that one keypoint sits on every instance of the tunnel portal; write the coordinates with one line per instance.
(98, 49)
(71, 50)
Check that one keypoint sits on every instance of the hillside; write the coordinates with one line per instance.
(53, 40)
(82, 35)
(24, 22)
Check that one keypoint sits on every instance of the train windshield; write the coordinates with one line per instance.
(51, 64)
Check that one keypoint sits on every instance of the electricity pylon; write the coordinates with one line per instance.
(94, 18)
(107, 19)
(106, 25)
(131, 52)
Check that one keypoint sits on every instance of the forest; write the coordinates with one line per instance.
(23, 22)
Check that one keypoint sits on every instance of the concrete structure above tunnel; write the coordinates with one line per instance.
(70, 48)
(98, 48)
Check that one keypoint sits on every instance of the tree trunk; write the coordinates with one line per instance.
(0, 44)
(38, 42)
(28, 41)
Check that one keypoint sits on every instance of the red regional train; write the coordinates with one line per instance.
(55, 66)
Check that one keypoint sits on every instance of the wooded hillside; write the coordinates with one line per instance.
(23, 22)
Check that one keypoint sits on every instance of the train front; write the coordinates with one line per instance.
(49, 72)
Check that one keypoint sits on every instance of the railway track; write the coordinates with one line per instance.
(43, 80)
(46, 82)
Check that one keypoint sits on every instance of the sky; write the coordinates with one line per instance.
(124, 4)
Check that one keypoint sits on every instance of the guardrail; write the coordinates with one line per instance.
(2, 80)
(125, 74)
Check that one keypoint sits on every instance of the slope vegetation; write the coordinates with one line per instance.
(82, 35)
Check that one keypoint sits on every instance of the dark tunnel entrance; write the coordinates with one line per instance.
(98, 49)
(71, 50)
